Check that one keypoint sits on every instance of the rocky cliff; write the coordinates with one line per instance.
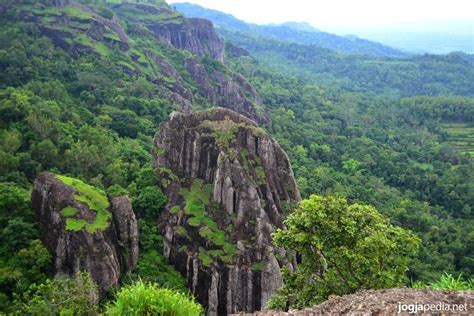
(84, 230)
(194, 35)
(182, 58)
(215, 84)
(229, 186)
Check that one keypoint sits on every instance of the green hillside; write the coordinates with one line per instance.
(84, 88)
(460, 136)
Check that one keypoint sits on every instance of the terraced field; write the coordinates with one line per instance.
(460, 136)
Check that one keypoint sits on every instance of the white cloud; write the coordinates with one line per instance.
(344, 14)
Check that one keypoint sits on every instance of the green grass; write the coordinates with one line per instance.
(75, 224)
(260, 174)
(126, 65)
(94, 198)
(161, 17)
(148, 299)
(71, 11)
(76, 13)
(112, 36)
(175, 210)
(205, 258)
(69, 211)
(98, 47)
(258, 267)
(181, 231)
(448, 282)
(223, 131)
(460, 136)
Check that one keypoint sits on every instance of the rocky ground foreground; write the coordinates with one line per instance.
(389, 302)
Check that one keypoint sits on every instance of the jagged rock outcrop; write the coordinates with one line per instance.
(64, 26)
(189, 79)
(229, 186)
(112, 24)
(235, 51)
(84, 231)
(195, 35)
(218, 87)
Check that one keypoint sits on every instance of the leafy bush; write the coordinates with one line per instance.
(63, 296)
(18, 272)
(115, 191)
(448, 282)
(344, 247)
(149, 202)
(148, 299)
(154, 267)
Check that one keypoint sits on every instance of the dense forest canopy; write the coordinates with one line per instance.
(395, 134)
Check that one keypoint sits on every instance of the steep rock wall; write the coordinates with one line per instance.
(229, 186)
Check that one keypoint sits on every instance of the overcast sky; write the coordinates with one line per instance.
(346, 15)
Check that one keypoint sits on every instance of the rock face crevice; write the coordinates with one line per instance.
(195, 35)
(229, 186)
(105, 253)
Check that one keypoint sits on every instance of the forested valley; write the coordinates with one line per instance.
(85, 85)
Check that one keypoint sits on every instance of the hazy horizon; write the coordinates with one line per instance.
(340, 15)
(452, 22)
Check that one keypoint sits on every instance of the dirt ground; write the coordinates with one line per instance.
(389, 302)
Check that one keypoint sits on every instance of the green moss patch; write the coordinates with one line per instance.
(98, 47)
(196, 200)
(75, 224)
(94, 198)
(258, 267)
(223, 131)
(69, 211)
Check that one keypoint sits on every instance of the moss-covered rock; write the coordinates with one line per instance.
(230, 188)
(84, 230)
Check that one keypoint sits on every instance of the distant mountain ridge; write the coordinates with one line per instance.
(298, 32)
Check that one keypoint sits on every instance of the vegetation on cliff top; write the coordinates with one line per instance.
(94, 198)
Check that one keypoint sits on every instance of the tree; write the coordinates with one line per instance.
(28, 266)
(149, 203)
(344, 247)
(63, 296)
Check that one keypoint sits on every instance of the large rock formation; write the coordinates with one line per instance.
(229, 186)
(195, 35)
(84, 230)
(218, 87)
(183, 60)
